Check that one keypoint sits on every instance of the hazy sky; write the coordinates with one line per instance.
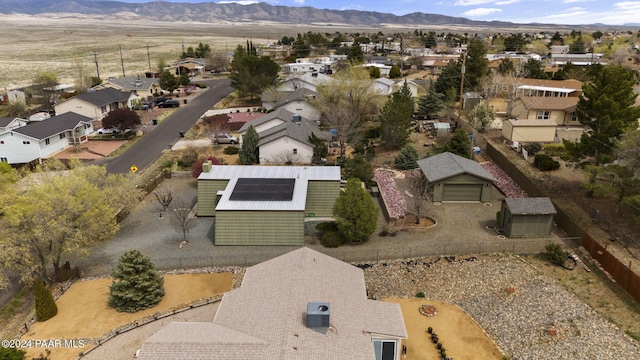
(609, 12)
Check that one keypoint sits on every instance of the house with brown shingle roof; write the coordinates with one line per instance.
(301, 305)
(560, 110)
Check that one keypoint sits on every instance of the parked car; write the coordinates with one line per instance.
(169, 103)
(141, 106)
(107, 131)
(225, 139)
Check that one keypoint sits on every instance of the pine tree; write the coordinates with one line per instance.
(408, 157)
(136, 285)
(46, 307)
(355, 212)
(431, 103)
(459, 144)
(249, 150)
(395, 118)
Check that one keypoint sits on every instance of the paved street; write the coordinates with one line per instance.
(149, 148)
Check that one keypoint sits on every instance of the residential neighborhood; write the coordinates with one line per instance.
(362, 194)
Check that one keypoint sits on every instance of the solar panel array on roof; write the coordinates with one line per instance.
(261, 189)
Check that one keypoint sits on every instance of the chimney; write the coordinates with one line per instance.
(318, 316)
(207, 166)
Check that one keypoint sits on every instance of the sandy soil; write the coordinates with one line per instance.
(83, 311)
(458, 333)
(91, 150)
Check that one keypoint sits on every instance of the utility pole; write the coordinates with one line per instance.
(95, 59)
(464, 63)
(148, 57)
(121, 60)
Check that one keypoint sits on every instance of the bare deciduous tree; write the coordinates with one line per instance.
(182, 218)
(284, 157)
(164, 197)
(419, 191)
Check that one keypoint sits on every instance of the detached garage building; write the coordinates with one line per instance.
(265, 205)
(526, 217)
(454, 178)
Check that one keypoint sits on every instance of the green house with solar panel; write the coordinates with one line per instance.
(266, 205)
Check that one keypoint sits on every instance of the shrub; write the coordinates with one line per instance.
(407, 159)
(327, 226)
(196, 168)
(46, 307)
(554, 149)
(545, 163)
(201, 85)
(373, 133)
(189, 157)
(532, 148)
(430, 330)
(7, 353)
(420, 295)
(331, 239)
(136, 285)
(555, 253)
(231, 150)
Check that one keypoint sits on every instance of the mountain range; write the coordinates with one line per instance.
(210, 12)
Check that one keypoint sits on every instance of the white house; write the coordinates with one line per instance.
(96, 104)
(10, 123)
(384, 86)
(306, 80)
(40, 140)
(16, 96)
(142, 86)
(297, 102)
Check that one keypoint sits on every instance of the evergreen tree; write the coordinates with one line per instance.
(355, 55)
(355, 212)
(477, 66)
(7, 353)
(407, 159)
(395, 119)
(534, 70)
(374, 72)
(249, 149)
(607, 108)
(358, 167)
(578, 46)
(168, 81)
(320, 150)
(459, 144)
(46, 307)
(136, 285)
(202, 51)
(449, 78)
(506, 67)
(395, 72)
(250, 74)
(430, 104)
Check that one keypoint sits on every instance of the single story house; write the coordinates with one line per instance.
(526, 217)
(297, 102)
(326, 315)
(42, 139)
(383, 86)
(560, 110)
(308, 80)
(524, 131)
(96, 104)
(10, 123)
(455, 178)
(144, 87)
(301, 67)
(284, 137)
(265, 205)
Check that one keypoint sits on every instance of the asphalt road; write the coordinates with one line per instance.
(149, 148)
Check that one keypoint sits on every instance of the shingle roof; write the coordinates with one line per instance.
(530, 206)
(300, 132)
(52, 126)
(299, 94)
(558, 84)
(446, 165)
(104, 97)
(129, 83)
(271, 306)
(281, 113)
(5, 121)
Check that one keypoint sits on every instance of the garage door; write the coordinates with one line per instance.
(462, 192)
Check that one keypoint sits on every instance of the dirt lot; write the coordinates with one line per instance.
(83, 311)
(458, 333)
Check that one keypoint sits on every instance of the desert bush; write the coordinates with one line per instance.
(420, 295)
(554, 149)
(545, 162)
(46, 307)
(331, 239)
(188, 158)
(555, 253)
(231, 150)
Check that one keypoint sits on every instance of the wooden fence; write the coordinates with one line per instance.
(620, 272)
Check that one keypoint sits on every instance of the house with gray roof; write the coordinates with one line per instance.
(265, 205)
(144, 87)
(297, 102)
(301, 305)
(455, 178)
(42, 139)
(10, 123)
(96, 104)
(526, 217)
(284, 137)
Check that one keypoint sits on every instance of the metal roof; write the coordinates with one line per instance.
(446, 165)
(546, 88)
(530, 206)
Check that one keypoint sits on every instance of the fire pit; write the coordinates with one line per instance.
(428, 310)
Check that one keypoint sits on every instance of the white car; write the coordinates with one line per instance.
(225, 139)
(107, 131)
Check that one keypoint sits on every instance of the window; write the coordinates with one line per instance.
(574, 116)
(1, 142)
(47, 141)
(543, 115)
(63, 135)
(295, 151)
(103, 108)
(26, 142)
(4, 159)
(384, 349)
